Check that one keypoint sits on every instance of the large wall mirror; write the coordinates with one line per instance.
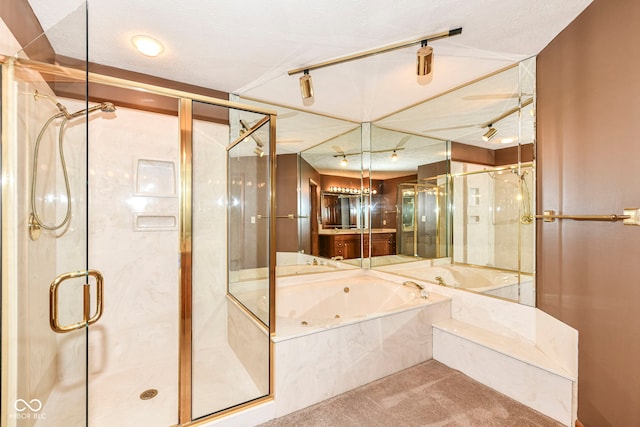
(441, 191)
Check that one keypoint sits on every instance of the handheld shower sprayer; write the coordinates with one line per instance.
(36, 223)
(106, 107)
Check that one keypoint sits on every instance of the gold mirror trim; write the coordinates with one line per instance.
(87, 319)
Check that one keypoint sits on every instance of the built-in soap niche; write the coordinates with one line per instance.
(155, 184)
(155, 178)
(154, 222)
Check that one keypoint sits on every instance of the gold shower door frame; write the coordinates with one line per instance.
(186, 100)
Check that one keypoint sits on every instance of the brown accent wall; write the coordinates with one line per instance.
(286, 203)
(509, 156)
(485, 156)
(588, 157)
(327, 181)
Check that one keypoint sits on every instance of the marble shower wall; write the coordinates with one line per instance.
(209, 235)
(138, 332)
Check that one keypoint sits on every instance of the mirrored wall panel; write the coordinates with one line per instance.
(442, 191)
(318, 192)
(484, 242)
(409, 209)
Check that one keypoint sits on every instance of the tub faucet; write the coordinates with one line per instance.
(423, 291)
(440, 281)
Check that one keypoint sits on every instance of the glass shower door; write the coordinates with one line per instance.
(48, 296)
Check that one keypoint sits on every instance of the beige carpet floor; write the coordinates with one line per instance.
(428, 394)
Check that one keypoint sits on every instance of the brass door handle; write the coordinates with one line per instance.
(87, 319)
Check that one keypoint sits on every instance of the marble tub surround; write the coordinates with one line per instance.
(490, 333)
(510, 320)
(315, 364)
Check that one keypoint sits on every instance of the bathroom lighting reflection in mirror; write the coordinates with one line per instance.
(415, 215)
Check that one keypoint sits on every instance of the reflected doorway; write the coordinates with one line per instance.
(313, 195)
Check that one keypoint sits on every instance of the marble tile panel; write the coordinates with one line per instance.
(250, 342)
(248, 417)
(314, 367)
(541, 390)
(219, 381)
(558, 340)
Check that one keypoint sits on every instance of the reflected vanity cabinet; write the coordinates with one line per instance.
(381, 244)
(344, 245)
(348, 245)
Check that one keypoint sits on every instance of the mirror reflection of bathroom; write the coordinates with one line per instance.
(442, 189)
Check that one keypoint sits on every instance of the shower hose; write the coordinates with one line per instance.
(34, 211)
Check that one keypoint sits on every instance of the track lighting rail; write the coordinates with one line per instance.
(376, 51)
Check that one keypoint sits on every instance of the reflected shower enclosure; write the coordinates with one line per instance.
(492, 216)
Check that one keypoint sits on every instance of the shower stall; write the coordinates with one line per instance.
(422, 218)
(129, 212)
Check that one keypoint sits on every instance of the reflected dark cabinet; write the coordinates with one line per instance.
(344, 245)
(348, 245)
(381, 244)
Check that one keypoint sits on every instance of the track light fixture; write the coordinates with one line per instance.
(258, 150)
(306, 85)
(344, 162)
(424, 59)
(394, 156)
(490, 133)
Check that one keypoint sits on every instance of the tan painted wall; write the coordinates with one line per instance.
(589, 163)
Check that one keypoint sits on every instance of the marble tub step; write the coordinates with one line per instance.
(513, 366)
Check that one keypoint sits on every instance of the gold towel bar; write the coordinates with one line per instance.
(288, 216)
(550, 216)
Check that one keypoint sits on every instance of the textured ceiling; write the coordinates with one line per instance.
(246, 47)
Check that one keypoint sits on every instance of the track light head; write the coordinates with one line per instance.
(394, 156)
(258, 151)
(490, 133)
(344, 162)
(306, 86)
(424, 60)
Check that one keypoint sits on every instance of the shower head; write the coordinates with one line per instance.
(106, 107)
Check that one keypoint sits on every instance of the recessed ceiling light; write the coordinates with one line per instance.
(507, 140)
(147, 46)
